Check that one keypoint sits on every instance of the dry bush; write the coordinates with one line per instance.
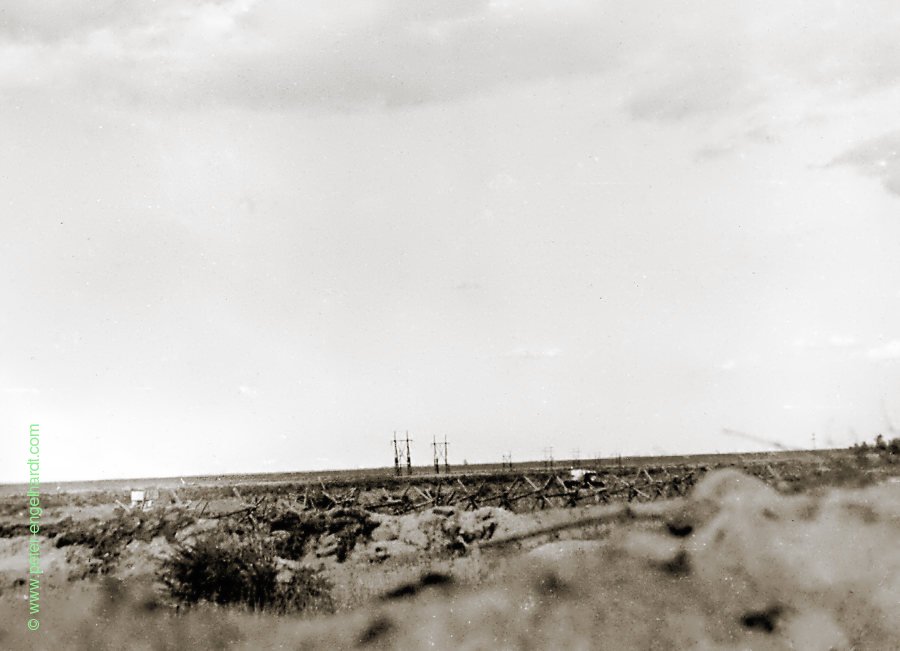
(108, 538)
(227, 567)
(347, 526)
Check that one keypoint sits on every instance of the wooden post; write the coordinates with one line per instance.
(408, 457)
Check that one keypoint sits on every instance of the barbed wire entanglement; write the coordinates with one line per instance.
(526, 490)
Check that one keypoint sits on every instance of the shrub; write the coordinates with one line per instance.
(230, 568)
(346, 525)
(108, 538)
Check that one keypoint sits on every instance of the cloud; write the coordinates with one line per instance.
(887, 352)
(817, 342)
(757, 135)
(695, 88)
(665, 64)
(525, 353)
(733, 56)
(842, 341)
(714, 152)
(278, 53)
(20, 391)
(248, 391)
(856, 350)
(740, 362)
(696, 61)
(878, 158)
(58, 20)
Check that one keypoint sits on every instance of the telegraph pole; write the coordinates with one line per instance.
(408, 457)
(446, 460)
(434, 447)
(396, 454)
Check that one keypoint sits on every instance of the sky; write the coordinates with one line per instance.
(242, 236)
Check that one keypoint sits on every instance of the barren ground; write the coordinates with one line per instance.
(803, 557)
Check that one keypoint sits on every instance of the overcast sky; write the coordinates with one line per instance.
(249, 236)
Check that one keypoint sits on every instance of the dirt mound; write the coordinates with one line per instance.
(739, 566)
(439, 528)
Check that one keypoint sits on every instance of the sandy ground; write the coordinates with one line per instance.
(736, 566)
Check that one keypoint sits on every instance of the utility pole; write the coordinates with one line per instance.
(446, 459)
(548, 457)
(434, 446)
(408, 457)
(396, 455)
